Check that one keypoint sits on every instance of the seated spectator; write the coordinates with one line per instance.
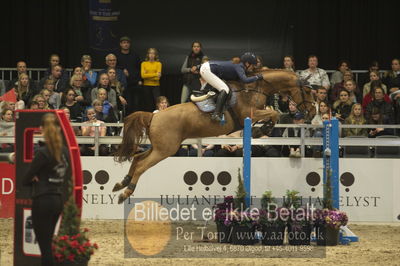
(89, 74)
(111, 61)
(104, 82)
(342, 107)
(392, 77)
(74, 107)
(85, 84)
(334, 92)
(263, 150)
(7, 129)
(55, 97)
(22, 92)
(161, 104)
(34, 105)
(59, 76)
(365, 77)
(287, 118)
(151, 74)
(206, 150)
(231, 150)
(337, 76)
(323, 108)
(87, 149)
(119, 89)
(373, 75)
(385, 108)
(76, 129)
(83, 94)
(104, 111)
(42, 103)
(320, 96)
(288, 63)
(45, 93)
(108, 109)
(21, 69)
(370, 96)
(298, 119)
(377, 118)
(315, 76)
(356, 117)
(318, 132)
(351, 87)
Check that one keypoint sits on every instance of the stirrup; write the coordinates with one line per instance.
(216, 117)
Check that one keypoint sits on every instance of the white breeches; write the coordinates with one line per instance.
(212, 79)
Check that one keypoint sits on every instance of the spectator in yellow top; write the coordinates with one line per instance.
(151, 74)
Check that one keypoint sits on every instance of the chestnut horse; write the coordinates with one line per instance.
(168, 128)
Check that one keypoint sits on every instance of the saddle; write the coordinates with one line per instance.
(205, 99)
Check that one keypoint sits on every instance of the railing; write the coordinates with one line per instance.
(301, 141)
(8, 73)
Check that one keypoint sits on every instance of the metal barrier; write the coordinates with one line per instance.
(8, 73)
(302, 141)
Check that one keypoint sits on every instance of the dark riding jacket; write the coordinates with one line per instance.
(229, 71)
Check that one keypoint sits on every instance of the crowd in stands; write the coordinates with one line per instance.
(129, 84)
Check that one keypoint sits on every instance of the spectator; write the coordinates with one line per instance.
(364, 77)
(373, 75)
(392, 77)
(337, 76)
(21, 94)
(55, 98)
(130, 62)
(288, 63)
(288, 117)
(21, 69)
(377, 118)
(111, 61)
(83, 94)
(104, 82)
(351, 87)
(54, 60)
(323, 108)
(151, 74)
(76, 129)
(321, 96)
(231, 150)
(262, 150)
(206, 150)
(7, 129)
(370, 96)
(45, 93)
(59, 77)
(89, 74)
(342, 107)
(190, 70)
(119, 89)
(74, 107)
(85, 84)
(34, 105)
(386, 110)
(42, 103)
(315, 76)
(294, 150)
(162, 103)
(87, 149)
(318, 132)
(334, 92)
(109, 114)
(356, 117)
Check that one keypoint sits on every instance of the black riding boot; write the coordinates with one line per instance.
(217, 115)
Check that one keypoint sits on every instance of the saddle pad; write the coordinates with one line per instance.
(209, 105)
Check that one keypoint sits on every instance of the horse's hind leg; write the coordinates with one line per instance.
(141, 166)
(127, 179)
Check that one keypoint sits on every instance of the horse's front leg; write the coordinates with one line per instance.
(266, 114)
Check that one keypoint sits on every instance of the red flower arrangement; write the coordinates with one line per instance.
(72, 243)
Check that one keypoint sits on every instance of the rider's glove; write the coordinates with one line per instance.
(260, 76)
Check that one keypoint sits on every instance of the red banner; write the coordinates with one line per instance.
(7, 190)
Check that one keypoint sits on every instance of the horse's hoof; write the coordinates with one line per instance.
(117, 186)
(121, 198)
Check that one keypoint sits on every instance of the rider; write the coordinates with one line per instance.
(214, 71)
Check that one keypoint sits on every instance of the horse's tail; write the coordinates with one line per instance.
(136, 127)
